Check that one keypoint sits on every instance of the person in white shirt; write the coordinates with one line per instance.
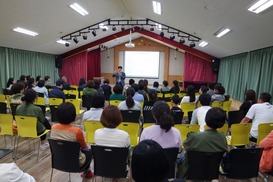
(95, 111)
(129, 103)
(262, 112)
(40, 88)
(190, 97)
(11, 172)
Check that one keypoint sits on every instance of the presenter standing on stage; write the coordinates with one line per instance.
(120, 76)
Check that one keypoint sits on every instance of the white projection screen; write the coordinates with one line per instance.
(141, 64)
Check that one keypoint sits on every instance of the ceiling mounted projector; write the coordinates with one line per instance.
(130, 44)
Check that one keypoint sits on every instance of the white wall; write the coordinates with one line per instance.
(176, 66)
(107, 61)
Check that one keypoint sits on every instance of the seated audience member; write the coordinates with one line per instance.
(97, 86)
(40, 88)
(97, 107)
(117, 95)
(199, 114)
(250, 99)
(107, 89)
(165, 88)
(218, 95)
(145, 83)
(18, 92)
(10, 172)
(156, 86)
(30, 83)
(82, 83)
(90, 88)
(208, 141)
(175, 89)
(57, 91)
(66, 85)
(149, 163)
(38, 77)
(203, 89)
(47, 81)
(137, 97)
(27, 108)
(163, 131)
(266, 162)
(131, 82)
(129, 103)
(10, 83)
(110, 135)
(190, 96)
(148, 105)
(175, 110)
(142, 91)
(22, 78)
(259, 113)
(64, 130)
(211, 89)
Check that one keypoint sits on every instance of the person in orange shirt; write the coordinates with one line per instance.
(266, 162)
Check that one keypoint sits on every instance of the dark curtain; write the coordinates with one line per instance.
(93, 64)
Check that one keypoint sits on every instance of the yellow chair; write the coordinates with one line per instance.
(227, 105)
(40, 101)
(181, 95)
(90, 127)
(186, 128)
(132, 129)
(2, 98)
(160, 95)
(73, 92)
(187, 107)
(168, 95)
(263, 130)
(145, 125)
(169, 104)
(77, 104)
(239, 134)
(55, 101)
(217, 104)
(74, 86)
(115, 102)
(141, 105)
(26, 126)
(223, 129)
(6, 126)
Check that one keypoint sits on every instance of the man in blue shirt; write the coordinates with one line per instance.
(57, 91)
(120, 76)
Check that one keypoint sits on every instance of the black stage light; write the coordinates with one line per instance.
(192, 44)
(141, 28)
(161, 34)
(114, 28)
(67, 44)
(182, 41)
(152, 28)
(122, 28)
(94, 33)
(84, 37)
(172, 37)
(75, 40)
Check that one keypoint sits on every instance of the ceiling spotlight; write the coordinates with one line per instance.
(84, 36)
(161, 34)
(133, 29)
(75, 40)
(66, 44)
(182, 41)
(152, 28)
(172, 37)
(141, 28)
(192, 44)
(114, 28)
(94, 33)
(122, 28)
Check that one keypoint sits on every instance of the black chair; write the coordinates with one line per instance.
(110, 162)
(40, 94)
(203, 165)
(13, 107)
(70, 96)
(177, 117)
(65, 157)
(3, 107)
(87, 101)
(53, 111)
(171, 155)
(148, 117)
(234, 117)
(244, 163)
(130, 116)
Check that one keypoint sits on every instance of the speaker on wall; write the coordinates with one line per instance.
(215, 64)
(58, 62)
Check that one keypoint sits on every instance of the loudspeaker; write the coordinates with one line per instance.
(215, 65)
(58, 62)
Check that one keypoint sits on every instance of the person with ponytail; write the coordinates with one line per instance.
(163, 131)
(129, 103)
(190, 97)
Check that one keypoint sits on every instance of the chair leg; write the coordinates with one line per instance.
(39, 143)
(51, 175)
(5, 141)
(16, 150)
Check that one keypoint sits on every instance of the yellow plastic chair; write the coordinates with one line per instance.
(2, 98)
(132, 129)
(90, 127)
(181, 95)
(186, 128)
(187, 107)
(160, 95)
(115, 102)
(169, 104)
(168, 95)
(145, 125)
(40, 101)
(55, 101)
(77, 104)
(263, 130)
(239, 134)
(6, 126)
(74, 92)
(227, 105)
(217, 104)
(223, 129)
(26, 126)
(74, 86)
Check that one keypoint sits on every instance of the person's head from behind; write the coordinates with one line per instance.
(90, 84)
(130, 92)
(145, 82)
(219, 89)
(106, 81)
(97, 83)
(205, 99)
(175, 83)
(191, 93)
(66, 113)
(38, 77)
(135, 87)
(18, 87)
(175, 100)
(264, 97)
(117, 89)
(141, 81)
(98, 100)
(30, 81)
(64, 79)
(47, 78)
(82, 81)
(41, 83)
(59, 84)
(210, 86)
(140, 86)
(111, 117)
(10, 82)
(161, 113)
(165, 83)
(131, 81)
(30, 96)
(203, 89)
(149, 163)
(156, 84)
(250, 95)
(152, 95)
(23, 78)
(215, 118)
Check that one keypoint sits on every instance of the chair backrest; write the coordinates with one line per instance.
(148, 117)
(3, 107)
(132, 129)
(223, 129)
(234, 117)
(53, 111)
(2, 98)
(55, 101)
(263, 130)
(187, 106)
(203, 165)
(130, 115)
(217, 104)
(26, 126)
(70, 96)
(171, 155)
(177, 117)
(227, 105)
(40, 94)
(115, 102)
(87, 101)
(186, 128)
(110, 162)
(90, 127)
(240, 134)
(76, 103)
(160, 95)
(40, 101)
(6, 124)
(244, 162)
(65, 155)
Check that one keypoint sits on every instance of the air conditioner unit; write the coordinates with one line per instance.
(130, 44)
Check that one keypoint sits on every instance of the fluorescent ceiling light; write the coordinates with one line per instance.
(203, 44)
(79, 9)
(102, 26)
(221, 32)
(25, 31)
(260, 6)
(62, 41)
(157, 7)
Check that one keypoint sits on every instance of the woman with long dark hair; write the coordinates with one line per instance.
(250, 99)
(190, 97)
(129, 103)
